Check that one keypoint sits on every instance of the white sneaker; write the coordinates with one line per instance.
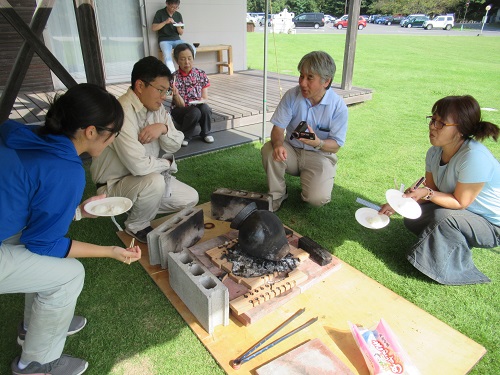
(209, 139)
(184, 143)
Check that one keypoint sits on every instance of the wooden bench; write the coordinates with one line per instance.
(219, 48)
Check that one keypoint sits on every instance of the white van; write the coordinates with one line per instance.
(441, 22)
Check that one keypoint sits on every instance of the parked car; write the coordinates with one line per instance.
(396, 20)
(390, 20)
(442, 22)
(329, 19)
(373, 17)
(342, 22)
(405, 20)
(415, 21)
(252, 19)
(376, 18)
(315, 20)
(270, 18)
(381, 20)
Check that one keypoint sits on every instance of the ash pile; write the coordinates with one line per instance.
(245, 265)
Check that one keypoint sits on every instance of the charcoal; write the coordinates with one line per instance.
(245, 265)
(316, 252)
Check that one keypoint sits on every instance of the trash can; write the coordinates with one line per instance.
(250, 27)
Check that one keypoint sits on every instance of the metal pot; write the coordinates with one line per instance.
(261, 233)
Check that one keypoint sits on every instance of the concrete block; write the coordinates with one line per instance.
(184, 229)
(204, 294)
(227, 203)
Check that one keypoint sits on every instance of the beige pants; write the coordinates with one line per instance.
(148, 193)
(316, 170)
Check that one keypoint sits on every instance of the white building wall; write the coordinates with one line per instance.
(207, 22)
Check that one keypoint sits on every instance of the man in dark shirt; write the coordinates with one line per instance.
(166, 23)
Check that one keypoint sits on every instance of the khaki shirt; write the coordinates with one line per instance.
(126, 155)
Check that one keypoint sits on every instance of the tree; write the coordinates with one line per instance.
(415, 6)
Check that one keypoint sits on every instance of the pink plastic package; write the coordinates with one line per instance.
(381, 349)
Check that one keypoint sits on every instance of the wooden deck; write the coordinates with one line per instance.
(236, 100)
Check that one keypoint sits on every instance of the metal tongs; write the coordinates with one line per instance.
(250, 353)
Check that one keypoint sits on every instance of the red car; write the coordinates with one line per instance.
(342, 22)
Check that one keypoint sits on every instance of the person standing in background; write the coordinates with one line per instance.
(169, 35)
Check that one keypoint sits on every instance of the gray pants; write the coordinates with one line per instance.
(150, 196)
(445, 238)
(52, 286)
(316, 170)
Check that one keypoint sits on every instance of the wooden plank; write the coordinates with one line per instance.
(34, 109)
(235, 100)
(347, 295)
(24, 112)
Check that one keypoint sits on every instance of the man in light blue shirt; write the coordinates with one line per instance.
(314, 157)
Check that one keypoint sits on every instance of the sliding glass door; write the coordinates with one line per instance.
(121, 26)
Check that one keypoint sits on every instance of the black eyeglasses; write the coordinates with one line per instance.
(116, 134)
(437, 124)
(162, 92)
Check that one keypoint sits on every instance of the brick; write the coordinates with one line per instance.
(227, 203)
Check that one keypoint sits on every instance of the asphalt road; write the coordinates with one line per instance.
(398, 30)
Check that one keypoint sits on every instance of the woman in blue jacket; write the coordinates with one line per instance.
(42, 185)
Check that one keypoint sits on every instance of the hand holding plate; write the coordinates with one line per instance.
(402, 204)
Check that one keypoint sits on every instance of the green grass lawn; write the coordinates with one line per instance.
(133, 329)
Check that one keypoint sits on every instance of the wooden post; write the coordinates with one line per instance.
(350, 44)
(30, 45)
(89, 41)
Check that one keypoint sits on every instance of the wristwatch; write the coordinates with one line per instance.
(321, 144)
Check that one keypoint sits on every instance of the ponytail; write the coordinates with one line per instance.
(485, 129)
(81, 106)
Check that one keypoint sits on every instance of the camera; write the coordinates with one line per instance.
(300, 132)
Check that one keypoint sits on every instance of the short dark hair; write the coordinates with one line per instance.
(180, 48)
(173, 2)
(82, 105)
(466, 112)
(148, 69)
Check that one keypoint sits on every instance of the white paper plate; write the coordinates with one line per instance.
(111, 206)
(370, 218)
(406, 207)
(178, 24)
(195, 102)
